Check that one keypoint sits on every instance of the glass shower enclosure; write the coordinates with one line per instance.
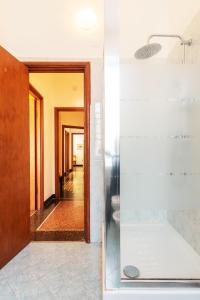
(152, 169)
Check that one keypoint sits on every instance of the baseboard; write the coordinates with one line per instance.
(49, 200)
(77, 165)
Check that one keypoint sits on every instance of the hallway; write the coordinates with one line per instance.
(73, 186)
(53, 270)
(64, 219)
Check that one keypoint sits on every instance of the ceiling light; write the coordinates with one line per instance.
(86, 19)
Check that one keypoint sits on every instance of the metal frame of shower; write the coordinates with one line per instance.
(111, 235)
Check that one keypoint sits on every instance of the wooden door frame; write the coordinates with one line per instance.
(63, 130)
(39, 164)
(57, 110)
(86, 156)
(72, 145)
(74, 67)
(65, 135)
(66, 160)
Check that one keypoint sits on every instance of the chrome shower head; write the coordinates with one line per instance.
(151, 49)
(148, 51)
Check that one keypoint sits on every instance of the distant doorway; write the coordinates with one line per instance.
(77, 149)
(70, 169)
(71, 184)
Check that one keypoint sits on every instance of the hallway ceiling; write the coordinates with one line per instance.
(47, 28)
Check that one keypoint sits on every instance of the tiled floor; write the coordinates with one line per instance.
(53, 270)
(64, 219)
(74, 184)
(67, 215)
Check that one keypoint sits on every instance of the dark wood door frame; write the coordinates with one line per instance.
(73, 67)
(86, 157)
(66, 160)
(72, 145)
(39, 162)
(56, 118)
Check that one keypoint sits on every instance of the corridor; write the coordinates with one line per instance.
(64, 219)
(73, 186)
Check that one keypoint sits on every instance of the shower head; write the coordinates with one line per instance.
(151, 49)
(148, 51)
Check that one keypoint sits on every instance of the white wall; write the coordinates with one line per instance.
(192, 31)
(186, 222)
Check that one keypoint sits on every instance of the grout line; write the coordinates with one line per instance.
(48, 216)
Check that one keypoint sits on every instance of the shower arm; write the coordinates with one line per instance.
(183, 42)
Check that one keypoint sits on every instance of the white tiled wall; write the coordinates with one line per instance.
(186, 222)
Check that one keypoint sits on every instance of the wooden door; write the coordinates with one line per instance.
(66, 151)
(14, 157)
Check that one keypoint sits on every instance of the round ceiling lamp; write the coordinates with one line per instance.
(86, 19)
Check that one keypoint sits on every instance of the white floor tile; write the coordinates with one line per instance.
(54, 270)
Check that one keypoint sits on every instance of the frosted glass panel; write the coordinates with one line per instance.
(159, 170)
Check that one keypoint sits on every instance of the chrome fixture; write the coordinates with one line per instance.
(151, 49)
(131, 272)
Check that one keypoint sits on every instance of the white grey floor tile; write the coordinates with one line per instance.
(6, 293)
(54, 270)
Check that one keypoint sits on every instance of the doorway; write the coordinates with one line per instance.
(84, 68)
(71, 184)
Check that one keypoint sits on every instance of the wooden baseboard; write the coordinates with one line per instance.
(77, 165)
(49, 200)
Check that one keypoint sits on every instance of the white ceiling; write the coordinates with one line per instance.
(47, 28)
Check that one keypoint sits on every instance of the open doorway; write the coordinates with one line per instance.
(69, 197)
(71, 184)
(68, 121)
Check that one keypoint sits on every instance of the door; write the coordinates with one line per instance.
(14, 157)
(66, 151)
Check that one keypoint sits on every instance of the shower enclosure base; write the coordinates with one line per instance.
(116, 289)
(159, 252)
(149, 294)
